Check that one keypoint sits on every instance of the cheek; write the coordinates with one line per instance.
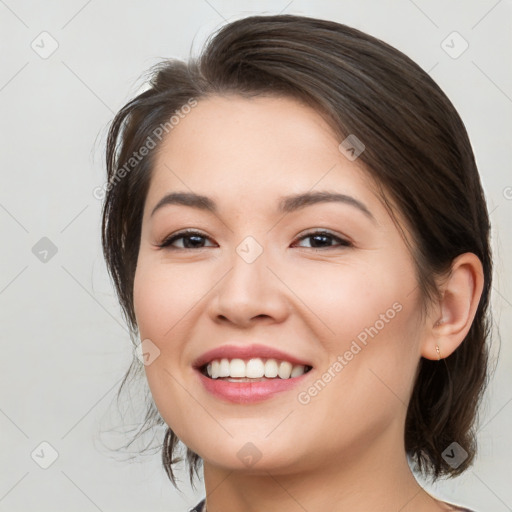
(150, 302)
(162, 296)
(350, 297)
(367, 313)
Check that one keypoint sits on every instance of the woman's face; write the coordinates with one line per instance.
(344, 301)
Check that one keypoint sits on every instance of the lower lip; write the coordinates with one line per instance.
(249, 392)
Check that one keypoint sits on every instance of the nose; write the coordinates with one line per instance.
(249, 293)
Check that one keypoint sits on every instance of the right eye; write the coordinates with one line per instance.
(191, 240)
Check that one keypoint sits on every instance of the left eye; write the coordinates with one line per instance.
(321, 239)
(191, 240)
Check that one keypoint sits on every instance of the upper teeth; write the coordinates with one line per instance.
(254, 368)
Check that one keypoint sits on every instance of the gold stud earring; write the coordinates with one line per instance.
(438, 353)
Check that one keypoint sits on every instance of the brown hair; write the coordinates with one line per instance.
(417, 152)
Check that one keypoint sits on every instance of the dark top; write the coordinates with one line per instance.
(199, 507)
(460, 509)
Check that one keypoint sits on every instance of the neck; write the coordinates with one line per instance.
(376, 478)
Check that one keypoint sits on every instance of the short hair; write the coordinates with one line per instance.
(417, 152)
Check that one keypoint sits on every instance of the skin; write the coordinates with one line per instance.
(344, 449)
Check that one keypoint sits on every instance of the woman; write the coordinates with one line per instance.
(298, 236)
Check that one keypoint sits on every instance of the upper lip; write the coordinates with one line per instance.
(246, 352)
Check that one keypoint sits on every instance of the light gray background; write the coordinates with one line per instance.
(64, 344)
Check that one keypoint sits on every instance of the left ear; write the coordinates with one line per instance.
(461, 292)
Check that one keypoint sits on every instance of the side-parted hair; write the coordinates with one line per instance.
(417, 153)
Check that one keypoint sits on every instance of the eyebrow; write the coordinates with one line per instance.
(287, 204)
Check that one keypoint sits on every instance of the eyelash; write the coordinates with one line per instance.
(166, 244)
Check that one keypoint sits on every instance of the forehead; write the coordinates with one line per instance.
(235, 148)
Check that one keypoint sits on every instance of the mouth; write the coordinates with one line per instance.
(255, 369)
(245, 382)
(248, 374)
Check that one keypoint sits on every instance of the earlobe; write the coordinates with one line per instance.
(461, 292)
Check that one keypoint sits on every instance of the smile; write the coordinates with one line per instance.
(254, 369)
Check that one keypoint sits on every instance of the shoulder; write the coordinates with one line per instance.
(199, 506)
(452, 507)
(456, 508)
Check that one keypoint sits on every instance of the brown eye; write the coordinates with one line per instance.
(322, 240)
(190, 240)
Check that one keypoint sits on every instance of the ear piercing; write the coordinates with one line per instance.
(439, 322)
